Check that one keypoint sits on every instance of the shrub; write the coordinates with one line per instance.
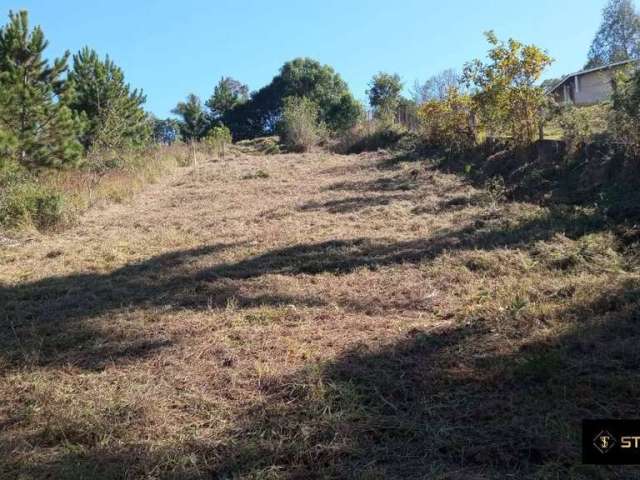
(507, 98)
(300, 127)
(624, 121)
(581, 125)
(25, 202)
(369, 136)
(449, 122)
(495, 192)
(217, 139)
(8, 144)
(344, 114)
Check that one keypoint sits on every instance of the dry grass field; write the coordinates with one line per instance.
(317, 316)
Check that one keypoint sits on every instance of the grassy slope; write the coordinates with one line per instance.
(345, 317)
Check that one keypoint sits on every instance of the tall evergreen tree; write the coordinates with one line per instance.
(618, 37)
(193, 119)
(33, 109)
(113, 112)
(7, 138)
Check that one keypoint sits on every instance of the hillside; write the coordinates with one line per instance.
(316, 316)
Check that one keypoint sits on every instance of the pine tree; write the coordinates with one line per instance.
(113, 113)
(193, 120)
(33, 109)
(7, 139)
(618, 37)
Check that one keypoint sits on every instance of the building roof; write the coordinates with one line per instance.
(589, 70)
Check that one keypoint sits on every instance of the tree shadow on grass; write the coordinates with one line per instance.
(400, 182)
(353, 204)
(57, 320)
(58, 317)
(455, 403)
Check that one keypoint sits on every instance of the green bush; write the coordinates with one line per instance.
(624, 122)
(23, 201)
(580, 125)
(300, 127)
(217, 139)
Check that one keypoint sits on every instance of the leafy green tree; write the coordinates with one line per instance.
(302, 78)
(618, 37)
(193, 120)
(305, 77)
(33, 106)
(113, 112)
(227, 95)
(506, 90)
(344, 114)
(384, 95)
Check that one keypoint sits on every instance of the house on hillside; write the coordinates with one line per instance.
(588, 87)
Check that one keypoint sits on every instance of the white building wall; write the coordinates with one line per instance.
(593, 87)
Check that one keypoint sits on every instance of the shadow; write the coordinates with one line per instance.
(598, 175)
(345, 256)
(454, 402)
(400, 182)
(353, 204)
(459, 402)
(453, 204)
(469, 400)
(55, 321)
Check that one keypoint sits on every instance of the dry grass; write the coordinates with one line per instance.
(105, 177)
(329, 317)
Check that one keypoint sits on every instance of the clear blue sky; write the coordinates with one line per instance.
(171, 48)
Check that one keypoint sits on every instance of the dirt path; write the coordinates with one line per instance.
(299, 316)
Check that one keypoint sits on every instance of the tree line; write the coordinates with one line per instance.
(258, 113)
(53, 112)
